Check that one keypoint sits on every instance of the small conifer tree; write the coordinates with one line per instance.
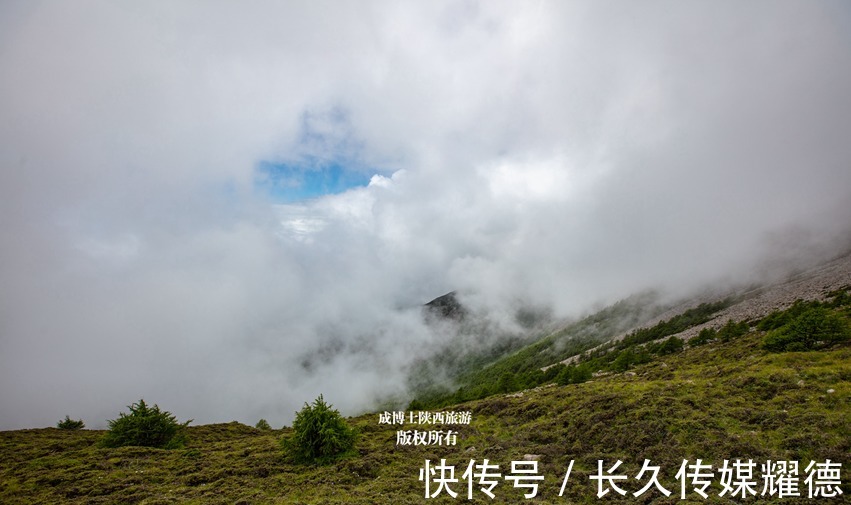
(263, 425)
(705, 336)
(671, 345)
(320, 434)
(733, 330)
(147, 427)
(70, 424)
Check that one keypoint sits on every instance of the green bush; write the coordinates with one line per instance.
(812, 329)
(506, 383)
(629, 357)
(623, 360)
(841, 297)
(147, 427)
(572, 374)
(705, 336)
(320, 434)
(733, 330)
(780, 318)
(263, 425)
(70, 424)
(670, 345)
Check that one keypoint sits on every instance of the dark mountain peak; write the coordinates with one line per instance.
(446, 306)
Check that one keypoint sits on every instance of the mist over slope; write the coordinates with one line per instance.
(721, 400)
(625, 330)
(800, 281)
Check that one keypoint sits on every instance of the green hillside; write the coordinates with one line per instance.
(727, 398)
(588, 339)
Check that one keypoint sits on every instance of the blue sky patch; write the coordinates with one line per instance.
(292, 182)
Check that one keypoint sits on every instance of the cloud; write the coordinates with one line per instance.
(550, 153)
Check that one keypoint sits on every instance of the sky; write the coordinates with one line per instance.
(228, 208)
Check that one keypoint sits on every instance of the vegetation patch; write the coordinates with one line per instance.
(70, 424)
(145, 426)
(814, 327)
(319, 434)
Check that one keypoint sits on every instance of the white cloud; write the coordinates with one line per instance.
(115, 250)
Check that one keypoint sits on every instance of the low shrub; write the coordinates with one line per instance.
(147, 427)
(705, 336)
(70, 424)
(573, 375)
(320, 434)
(670, 345)
(780, 318)
(733, 330)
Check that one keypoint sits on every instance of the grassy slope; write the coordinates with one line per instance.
(721, 400)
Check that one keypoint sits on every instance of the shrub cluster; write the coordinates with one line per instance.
(733, 330)
(572, 374)
(705, 336)
(676, 324)
(320, 434)
(70, 424)
(813, 328)
(727, 332)
(147, 427)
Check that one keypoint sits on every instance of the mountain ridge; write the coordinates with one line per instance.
(757, 302)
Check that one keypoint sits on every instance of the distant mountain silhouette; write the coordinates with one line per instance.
(447, 307)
